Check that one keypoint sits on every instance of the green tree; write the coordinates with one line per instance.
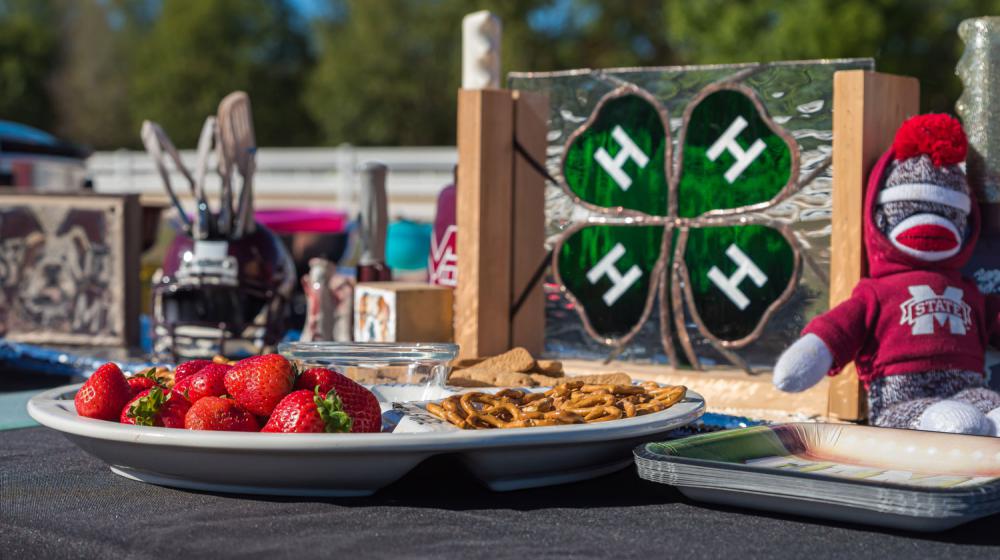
(89, 87)
(199, 50)
(389, 70)
(911, 37)
(28, 53)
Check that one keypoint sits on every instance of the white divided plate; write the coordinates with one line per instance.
(353, 464)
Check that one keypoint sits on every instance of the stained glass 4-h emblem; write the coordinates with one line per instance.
(732, 269)
(685, 210)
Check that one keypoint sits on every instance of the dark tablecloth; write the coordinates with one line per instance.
(56, 501)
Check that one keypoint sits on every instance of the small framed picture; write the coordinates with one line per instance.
(69, 268)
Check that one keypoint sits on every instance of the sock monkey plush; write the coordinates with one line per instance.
(915, 327)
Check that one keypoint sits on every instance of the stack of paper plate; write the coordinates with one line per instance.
(893, 478)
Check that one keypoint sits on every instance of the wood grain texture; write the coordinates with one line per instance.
(483, 216)
(868, 107)
(527, 327)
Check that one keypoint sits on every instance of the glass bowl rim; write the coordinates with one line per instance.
(369, 351)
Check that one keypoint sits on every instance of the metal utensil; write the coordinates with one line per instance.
(245, 222)
(373, 224)
(240, 147)
(241, 141)
(205, 225)
(226, 145)
(153, 139)
(171, 150)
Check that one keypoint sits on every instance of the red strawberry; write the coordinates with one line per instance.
(309, 412)
(141, 381)
(311, 378)
(103, 395)
(359, 403)
(219, 414)
(209, 382)
(190, 368)
(259, 383)
(154, 408)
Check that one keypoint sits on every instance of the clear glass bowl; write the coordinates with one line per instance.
(377, 363)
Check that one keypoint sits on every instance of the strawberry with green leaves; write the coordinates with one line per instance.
(210, 381)
(153, 407)
(219, 414)
(103, 395)
(305, 411)
(259, 383)
(359, 403)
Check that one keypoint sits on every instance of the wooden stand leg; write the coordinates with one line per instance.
(483, 217)
(868, 107)
(500, 214)
(527, 326)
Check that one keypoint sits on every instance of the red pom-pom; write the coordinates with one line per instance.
(937, 135)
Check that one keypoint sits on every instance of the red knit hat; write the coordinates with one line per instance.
(937, 135)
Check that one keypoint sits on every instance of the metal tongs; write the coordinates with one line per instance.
(157, 142)
(238, 148)
(231, 136)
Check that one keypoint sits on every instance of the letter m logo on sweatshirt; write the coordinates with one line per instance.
(927, 309)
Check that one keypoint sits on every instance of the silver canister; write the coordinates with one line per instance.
(979, 105)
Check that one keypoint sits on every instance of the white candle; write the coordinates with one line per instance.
(481, 50)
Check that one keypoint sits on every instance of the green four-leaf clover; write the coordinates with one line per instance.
(688, 228)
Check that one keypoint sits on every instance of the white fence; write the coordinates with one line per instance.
(297, 177)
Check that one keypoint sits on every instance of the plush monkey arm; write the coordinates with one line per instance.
(803, 364)
(828, 343)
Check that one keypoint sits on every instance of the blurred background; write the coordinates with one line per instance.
(385, 72)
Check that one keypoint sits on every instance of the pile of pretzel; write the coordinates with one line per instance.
(574, 402)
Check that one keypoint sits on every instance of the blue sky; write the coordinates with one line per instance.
(553, 18)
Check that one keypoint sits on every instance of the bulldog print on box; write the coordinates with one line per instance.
(69, 269)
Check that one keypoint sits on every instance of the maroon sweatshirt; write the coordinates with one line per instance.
(909, 316)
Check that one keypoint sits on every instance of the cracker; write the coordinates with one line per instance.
(466, 382)
(551, 368)
(362, 375)
(467, 363)
(514, 360)
(617, 378)
(546, 380)
(492, 378)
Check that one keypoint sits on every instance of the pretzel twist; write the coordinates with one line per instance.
(568, 403)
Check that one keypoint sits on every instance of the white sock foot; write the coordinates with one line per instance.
(955, 417)
(993, 417)
(802, 365)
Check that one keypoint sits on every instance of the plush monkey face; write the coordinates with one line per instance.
(923, 209)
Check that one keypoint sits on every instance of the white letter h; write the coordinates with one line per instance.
(628, 151)
(731, 285)
(728, 143)
(606, 267)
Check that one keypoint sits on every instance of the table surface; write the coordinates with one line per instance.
(56, 501)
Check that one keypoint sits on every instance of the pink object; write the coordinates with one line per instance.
(299, 220)
(909, 315)
(443, 261)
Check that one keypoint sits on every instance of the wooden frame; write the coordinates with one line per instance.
(500, 220)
